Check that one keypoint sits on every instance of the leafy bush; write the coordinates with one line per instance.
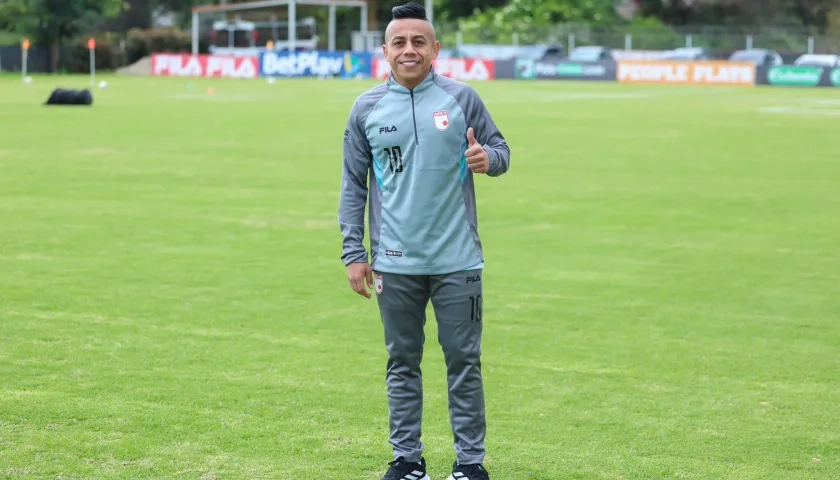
(75, 56)
(651, 34)
(142, 43)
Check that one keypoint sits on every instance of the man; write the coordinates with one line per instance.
(417, 140)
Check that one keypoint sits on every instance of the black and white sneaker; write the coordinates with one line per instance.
(469, 472)
(402, 470)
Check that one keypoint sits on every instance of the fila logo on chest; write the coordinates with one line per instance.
(441, 120)
(387, 129)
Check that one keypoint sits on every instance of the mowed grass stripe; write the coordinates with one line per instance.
(660, 286)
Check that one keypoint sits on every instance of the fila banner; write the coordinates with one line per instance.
(686, 72)
(462, 69)
(315, 64)
(185, 65)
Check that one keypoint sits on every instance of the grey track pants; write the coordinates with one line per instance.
(457, 302)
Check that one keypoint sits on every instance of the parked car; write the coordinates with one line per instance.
(759, 56)
(503, 52)
(818, 60)
(686, 53)
(590, 53)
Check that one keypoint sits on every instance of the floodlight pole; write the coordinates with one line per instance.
(292, 25)
(195, 33)
(331, 30)
(430, 10)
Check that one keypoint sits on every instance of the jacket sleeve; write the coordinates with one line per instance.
(488, 134)
(354, 188)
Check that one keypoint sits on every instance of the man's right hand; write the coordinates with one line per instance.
(357, 275)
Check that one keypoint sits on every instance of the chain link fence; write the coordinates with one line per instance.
(717, 40)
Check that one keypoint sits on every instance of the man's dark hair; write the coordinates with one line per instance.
(409, 10)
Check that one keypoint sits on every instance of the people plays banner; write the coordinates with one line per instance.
(686, 72)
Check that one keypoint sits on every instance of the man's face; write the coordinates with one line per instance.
(410, 47)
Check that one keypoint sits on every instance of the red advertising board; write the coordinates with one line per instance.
(462, 69)
(183, 65)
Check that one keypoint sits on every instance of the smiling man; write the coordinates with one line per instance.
(411, 148)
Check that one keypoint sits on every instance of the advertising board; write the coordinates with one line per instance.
(799, 76)
(315, 64)
(686, 72)
(185, 65)
(505, 69)
(564, 70)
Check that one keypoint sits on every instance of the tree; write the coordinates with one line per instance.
(537, 11)
(800, 13)
(49, 22)
(451, 10)
(535, 21)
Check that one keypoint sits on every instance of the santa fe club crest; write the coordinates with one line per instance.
(442, 120)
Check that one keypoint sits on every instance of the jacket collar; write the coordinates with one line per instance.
(395, 86)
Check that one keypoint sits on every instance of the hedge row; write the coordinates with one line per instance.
(114, 50)
(75, 56)
(142, 43)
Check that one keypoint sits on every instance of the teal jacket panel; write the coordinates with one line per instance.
(404, 157)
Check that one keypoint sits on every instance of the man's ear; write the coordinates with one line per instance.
(435, 50)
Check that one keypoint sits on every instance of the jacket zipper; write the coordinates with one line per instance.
(414, 117)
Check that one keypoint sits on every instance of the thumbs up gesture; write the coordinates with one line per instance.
(477, 158)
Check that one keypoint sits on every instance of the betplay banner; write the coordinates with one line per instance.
(315, 64)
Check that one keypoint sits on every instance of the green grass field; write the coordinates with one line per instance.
(663, 271)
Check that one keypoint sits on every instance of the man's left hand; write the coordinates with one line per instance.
(477, 158)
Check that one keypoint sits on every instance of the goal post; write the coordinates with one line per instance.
(292, 13)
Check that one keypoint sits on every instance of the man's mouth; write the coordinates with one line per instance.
(411, 63)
